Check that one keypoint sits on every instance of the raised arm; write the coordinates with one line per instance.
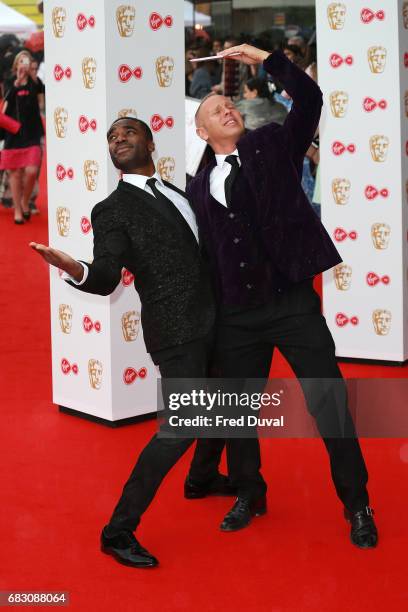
(301, 123)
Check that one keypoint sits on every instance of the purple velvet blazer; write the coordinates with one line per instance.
(272, 159)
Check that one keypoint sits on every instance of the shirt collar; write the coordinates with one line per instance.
(220, 158)
(139, 180)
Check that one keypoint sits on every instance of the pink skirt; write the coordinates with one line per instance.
(11, 159)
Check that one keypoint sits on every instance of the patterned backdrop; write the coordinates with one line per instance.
(104, 60)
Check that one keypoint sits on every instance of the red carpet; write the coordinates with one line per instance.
(61, 477)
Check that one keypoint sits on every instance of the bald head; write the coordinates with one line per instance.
(219, 122)
(196, 116)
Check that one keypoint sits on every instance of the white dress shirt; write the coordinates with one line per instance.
(218, 175)
(181, 203)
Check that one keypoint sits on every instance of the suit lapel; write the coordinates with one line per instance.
(168, 212)
(252, 167)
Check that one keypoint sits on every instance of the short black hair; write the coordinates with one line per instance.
(146, 129)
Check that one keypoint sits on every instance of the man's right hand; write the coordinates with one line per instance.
(60, 260)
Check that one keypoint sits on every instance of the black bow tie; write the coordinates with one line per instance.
(229, 181)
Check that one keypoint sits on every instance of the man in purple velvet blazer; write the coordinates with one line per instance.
(265, 245)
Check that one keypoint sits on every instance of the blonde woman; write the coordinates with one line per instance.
(21, 155)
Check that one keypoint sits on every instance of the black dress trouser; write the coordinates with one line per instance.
(292, 321)
(179, 366)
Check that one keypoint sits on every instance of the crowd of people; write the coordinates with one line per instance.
(22, 96)
(259, 97)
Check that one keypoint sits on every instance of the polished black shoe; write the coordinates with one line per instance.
(363, 530)
(242, 512)
(219, 485)
(27, 215)
(126, 549)
(19, 221)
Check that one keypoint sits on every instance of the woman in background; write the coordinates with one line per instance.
(22, 151)
(258, 106)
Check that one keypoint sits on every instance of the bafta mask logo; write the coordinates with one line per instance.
(61, 121)
(59, 17)
(380, 233)
(127, 112)
(382, 321)
(342, 277)
(166, 167)
(89, 72)
(95, 370)
(130, 325)
(65, 318)
(336, 15)
(91, 169)
(377, 57)
(341, 190)
(63, 221)
(164, 70)
(405, 15)
(339, 103)
(125, 19)
(379, 145)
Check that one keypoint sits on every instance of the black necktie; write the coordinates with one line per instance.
(152, 184)
(169, 208)
(229, 181)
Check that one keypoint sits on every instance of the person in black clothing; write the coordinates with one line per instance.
(147, 226)
(265, 244)
(21, 155)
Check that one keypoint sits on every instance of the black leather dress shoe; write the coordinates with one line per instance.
(126, 549)
(218, 486)
(363, 530)
(242, 512)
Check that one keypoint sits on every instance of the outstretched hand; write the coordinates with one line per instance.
(247, 54)
(59, 259)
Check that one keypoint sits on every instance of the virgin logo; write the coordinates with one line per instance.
(82, 22)
(125, 73)
(85, 225)
(127, 278)
(157, 122)
(156, 21)
(373, 279)
(367, 15)
(371, 192)
(84, 124)
(59, 73)
(340, 234)
(130, 375)
(339, 148)
(369, 104)
(66, 367)
(89, 325)
(62, 173)
(336, 60)
(342, 319)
